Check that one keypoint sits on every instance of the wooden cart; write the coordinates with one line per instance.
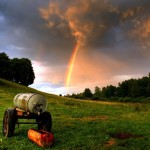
(13, 115)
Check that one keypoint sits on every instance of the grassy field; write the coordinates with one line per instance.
(82, 124)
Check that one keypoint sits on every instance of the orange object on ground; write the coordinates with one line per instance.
(40, 137)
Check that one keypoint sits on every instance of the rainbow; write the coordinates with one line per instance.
(71, 64)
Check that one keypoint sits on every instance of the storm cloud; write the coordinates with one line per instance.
(98, 22)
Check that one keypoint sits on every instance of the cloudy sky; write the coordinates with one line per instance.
(75, 44)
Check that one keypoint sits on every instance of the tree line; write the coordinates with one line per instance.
(128, 90)
(17, 70)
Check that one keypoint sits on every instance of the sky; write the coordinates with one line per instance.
(78, 44)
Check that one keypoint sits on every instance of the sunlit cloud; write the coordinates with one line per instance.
(45, 73)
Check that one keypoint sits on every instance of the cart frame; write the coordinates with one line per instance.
(13, 115)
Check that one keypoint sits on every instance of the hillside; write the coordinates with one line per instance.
(79, 124)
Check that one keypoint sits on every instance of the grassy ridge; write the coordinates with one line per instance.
(79, 124)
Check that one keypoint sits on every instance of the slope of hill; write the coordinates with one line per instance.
(79, 124)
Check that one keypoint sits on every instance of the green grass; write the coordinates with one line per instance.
(82, 124)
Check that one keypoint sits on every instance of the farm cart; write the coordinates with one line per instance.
(27, 106)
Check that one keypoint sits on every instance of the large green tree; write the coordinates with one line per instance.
(22, 71)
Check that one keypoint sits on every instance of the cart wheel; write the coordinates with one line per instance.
(45, 122)
(9, 122)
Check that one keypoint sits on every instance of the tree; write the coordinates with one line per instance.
(123, 89)
(18, 70)
(143, 86)
(4, 66)
(97, 93)
(87, 94)
(135, 89)
(22, 71)
(109, 91)
(148, 86)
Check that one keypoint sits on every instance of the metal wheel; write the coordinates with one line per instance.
(9, 121)
(45, 122)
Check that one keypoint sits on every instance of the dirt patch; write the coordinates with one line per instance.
(103, 117)
(125, 135)
(110, 142)
(113, 140)
(92, 118)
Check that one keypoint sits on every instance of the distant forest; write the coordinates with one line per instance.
(17, 70)
(128, 90)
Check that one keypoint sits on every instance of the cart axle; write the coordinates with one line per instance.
(26, 123)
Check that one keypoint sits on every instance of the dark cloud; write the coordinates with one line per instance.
(85, 20)
(93, 22)
(22, 31)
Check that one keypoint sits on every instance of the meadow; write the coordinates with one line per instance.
(82, 124)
